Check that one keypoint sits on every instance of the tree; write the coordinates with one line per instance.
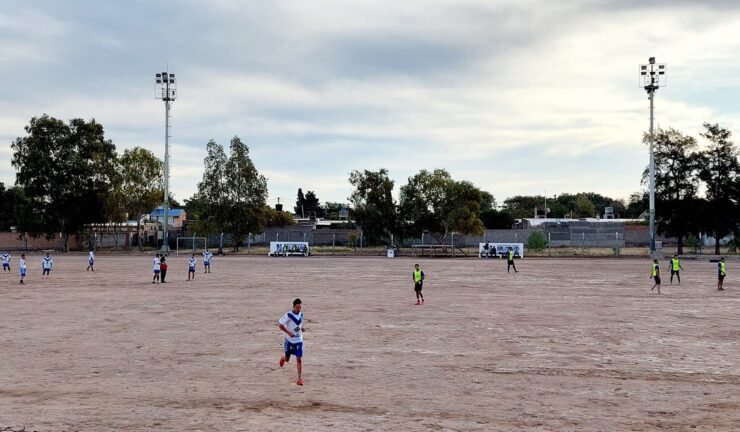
(639, 202)
(313, 207)
(720, 170)
(210, 201)
(374, 208)
(246, 193)
(11, 203)
(66, 171)
(331, 209)
(583, 206)
(434, 202)
(274, 218)
(141, 183)
(536, 241)
(676, 183)
(300, 204)
(494, 219)
(489, 202)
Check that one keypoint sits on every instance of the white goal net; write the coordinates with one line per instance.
(188, 245)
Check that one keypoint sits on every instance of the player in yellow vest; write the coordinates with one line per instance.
(655, 274)
(418, 277)
(510, 261)
(721, 273)
(675, 267)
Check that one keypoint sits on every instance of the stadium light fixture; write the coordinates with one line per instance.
(166, 90)
(652, 77)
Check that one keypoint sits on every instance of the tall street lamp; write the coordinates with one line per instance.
(652, 76)
(166, 89)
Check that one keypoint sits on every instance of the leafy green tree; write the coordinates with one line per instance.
(536, 241)
(495, 219)
(374, 207)
(676, 183)
(436, 203)
(66, 171)
(246, 194)
(489, 202)
(12, 201)
(719, 170)
(313, 207)
(583, 206)
(332, 209)
(274, 218)
(142, 175)
(210, 202)
(639, 202)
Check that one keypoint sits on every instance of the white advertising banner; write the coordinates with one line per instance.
(500, 249)
(288, 248)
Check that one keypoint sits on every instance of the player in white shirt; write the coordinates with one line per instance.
(90, 260)
(22, 267)
(292, 325)
(207, 255)
(156, 269)
(6, 261)
(48, 263)
(191, 266)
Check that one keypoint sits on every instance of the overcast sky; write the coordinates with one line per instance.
(517, 97)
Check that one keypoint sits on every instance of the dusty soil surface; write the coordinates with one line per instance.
(563, 345)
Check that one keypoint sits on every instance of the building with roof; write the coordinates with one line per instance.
(175, 217)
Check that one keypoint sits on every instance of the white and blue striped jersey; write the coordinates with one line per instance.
(47, 263)
(192, 262)
(22, 264)
(6, 258)
(207, 255)
(91, 257)
(156, 264)
(293, 323)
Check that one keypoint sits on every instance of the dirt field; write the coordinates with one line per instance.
(564, 345)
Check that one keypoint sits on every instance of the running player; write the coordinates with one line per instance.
(675, 267)
(292, 325)
(47, 263)
(22, 267)
(156, 267)
(721, 273)
(655, 274)
(6, 261)
(510, 261)
(418, 277)
(207, 255)
(91, 260)
(191, 266)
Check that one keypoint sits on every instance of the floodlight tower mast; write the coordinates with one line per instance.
(166, 89)
(653, 76)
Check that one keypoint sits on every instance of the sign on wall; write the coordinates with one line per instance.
(289, 248)
(500, 250)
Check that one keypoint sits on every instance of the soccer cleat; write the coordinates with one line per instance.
(422, 301)
(282, 362)
(300, 381)
(417, 303)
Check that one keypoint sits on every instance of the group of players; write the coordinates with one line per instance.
(676, 268)
(160, 266)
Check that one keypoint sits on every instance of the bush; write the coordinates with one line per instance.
(537, 241)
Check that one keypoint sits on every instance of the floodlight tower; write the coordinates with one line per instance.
(652, 77)
(166, 89)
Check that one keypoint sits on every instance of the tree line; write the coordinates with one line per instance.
(69, 176)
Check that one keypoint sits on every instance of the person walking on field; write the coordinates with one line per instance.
(91, 260)
(721, 273)
(191, 266)
(22, 268)
(157, 267)
(163, 268)
(6, 261)
(675, 268)
(47, 263)
(655, 274)
(292, 325)
(418, 277)
(510, 261)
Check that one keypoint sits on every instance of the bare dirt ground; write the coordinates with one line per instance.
(564, 345)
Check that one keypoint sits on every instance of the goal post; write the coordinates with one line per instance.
(191, 245)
